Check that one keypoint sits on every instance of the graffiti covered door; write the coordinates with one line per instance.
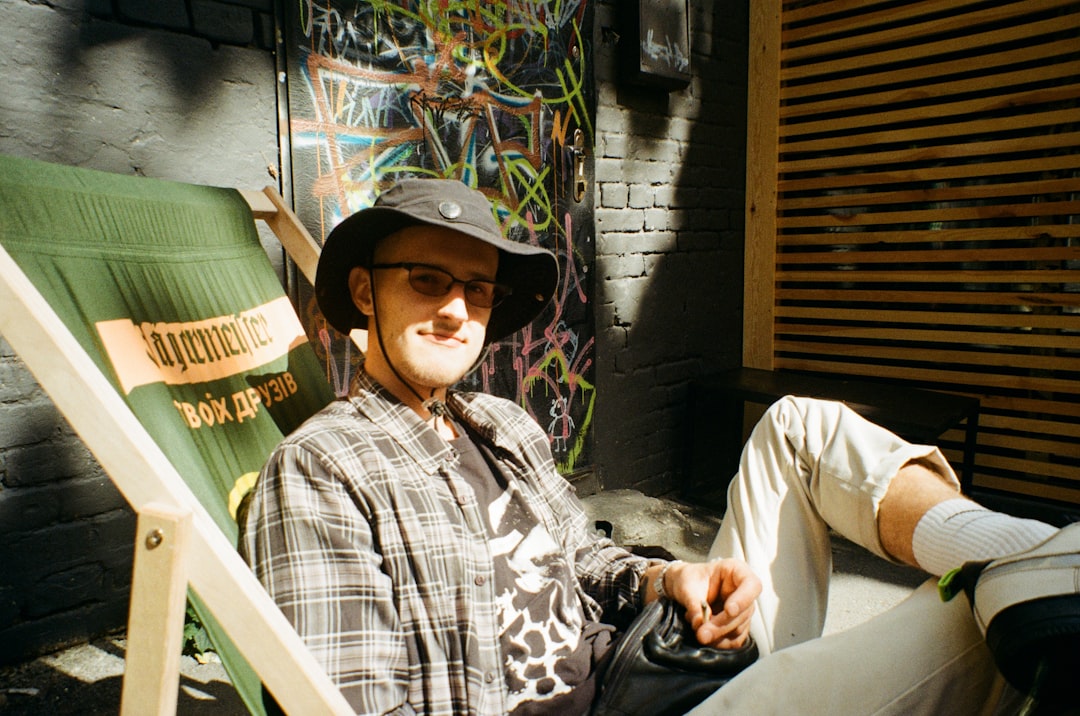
(496, 94)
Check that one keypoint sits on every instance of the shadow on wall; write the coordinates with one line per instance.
(685, 163)
(85, 91)
(139, 100)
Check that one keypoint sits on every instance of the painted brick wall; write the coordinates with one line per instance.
(669, 229)
(185, 89)
(176, 89)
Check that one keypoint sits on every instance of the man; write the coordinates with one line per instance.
(423, 544)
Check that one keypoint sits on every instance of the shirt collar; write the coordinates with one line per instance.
(400, 422)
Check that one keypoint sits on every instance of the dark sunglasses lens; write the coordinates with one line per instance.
(485, 294)
(430, 281)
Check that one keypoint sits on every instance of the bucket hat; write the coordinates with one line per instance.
(531, 272)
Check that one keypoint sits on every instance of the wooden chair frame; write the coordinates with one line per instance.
(177, 545)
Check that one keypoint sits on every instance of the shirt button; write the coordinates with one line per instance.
(489, 677)
(479, 580)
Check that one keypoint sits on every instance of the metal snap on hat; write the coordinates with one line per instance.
(531, 272)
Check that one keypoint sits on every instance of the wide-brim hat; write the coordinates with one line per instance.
(530, 271)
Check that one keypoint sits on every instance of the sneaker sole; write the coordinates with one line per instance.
(1040, 634)
(1043, 630)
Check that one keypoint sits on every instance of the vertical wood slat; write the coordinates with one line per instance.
(926, 238)
(762, 157)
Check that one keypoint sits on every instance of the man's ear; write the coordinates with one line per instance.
(360, 290)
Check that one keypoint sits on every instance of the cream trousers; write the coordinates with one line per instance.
(809, 466)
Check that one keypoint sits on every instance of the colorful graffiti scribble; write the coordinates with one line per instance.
(485, 92)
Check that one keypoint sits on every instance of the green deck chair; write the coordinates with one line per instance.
(151, 315)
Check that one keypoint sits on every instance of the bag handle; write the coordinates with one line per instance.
(671, 643)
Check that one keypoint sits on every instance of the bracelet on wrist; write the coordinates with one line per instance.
(658, 584)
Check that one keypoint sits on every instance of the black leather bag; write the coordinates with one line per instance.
(658, 668)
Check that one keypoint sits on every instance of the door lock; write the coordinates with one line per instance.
(579, 164)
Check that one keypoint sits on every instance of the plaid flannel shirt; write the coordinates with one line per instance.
(375, 549)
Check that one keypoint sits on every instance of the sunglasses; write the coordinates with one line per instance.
(433, 281)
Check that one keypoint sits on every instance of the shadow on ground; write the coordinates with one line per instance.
(88, 679)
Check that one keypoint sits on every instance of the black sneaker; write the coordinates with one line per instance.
(1028, 606)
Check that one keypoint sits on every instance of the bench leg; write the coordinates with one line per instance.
(971, 434)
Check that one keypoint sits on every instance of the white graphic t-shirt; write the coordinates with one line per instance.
(549, 650)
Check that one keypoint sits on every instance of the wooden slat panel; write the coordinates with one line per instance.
(1027, 488)
(819, 20)
(761, 150)
(944, 376)
(867, 353)
(935, 154)
(1049, 469)
(1068, 432)
(800, 67)
(934, 132)
(927, 215)
(1038, 442)
(863, 117)
(957, 277)
(1025, 339)
(933, 215)
(935, 95)
(1000, 403)
(851, 296)
(1069, 322)
(927, 256)
(859, 177)
(834, 84)
(1036, 232)
(859, 33)
(971, 192)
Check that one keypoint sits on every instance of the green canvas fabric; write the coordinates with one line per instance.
(169, 290)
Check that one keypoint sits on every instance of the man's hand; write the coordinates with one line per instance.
(718, 597)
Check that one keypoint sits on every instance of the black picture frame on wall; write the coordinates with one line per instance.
(654, 44)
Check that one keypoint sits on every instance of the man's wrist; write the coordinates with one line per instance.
(658, 584)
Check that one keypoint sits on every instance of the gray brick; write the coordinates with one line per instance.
(658, 219)
(708, 219)
(59, 458)
(98, 8)
(231, 24)
(90, 498)
(654, 149)
(619, 219)
(16, 382)
(613, 195)
(645, 242)
(700, 241)
(261, 5)
(159, 13)
(678, 372)
(641, 196)
(28, 422)
(65, 589)
(613, 144)
(616, 267)
(28, 639)
(29, 508)
(264, 31)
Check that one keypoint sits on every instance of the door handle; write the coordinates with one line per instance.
(579, 164)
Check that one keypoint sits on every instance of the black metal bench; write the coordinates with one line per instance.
(717, 405)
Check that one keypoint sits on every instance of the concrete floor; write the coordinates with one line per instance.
(87, 679)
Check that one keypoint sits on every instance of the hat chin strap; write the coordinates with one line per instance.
(435, 407)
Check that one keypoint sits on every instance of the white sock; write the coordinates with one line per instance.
(957, 531)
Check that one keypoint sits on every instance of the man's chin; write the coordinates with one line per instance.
(447, 371)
